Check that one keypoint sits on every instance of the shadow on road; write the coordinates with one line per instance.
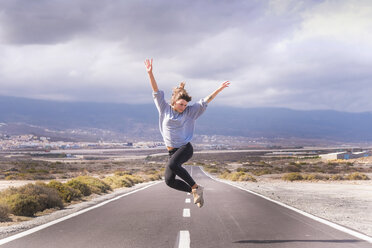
(300, 241)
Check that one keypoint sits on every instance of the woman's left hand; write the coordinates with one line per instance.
(224, 85)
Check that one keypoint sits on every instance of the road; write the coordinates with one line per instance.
(161, 217)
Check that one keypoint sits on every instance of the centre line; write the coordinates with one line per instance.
(188, 200)
(186, 212)
(184, 241)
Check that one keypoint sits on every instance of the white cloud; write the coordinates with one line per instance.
(282, 53)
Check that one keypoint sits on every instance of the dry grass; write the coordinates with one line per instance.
(30, 198)
(4, 212)
(238, 176)
(287, 168)
(295, 176)
(66, 192)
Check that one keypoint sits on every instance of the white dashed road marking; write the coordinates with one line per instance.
(186, 212)
(184, 236)
(184, 239)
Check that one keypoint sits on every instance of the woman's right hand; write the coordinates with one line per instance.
(148, 64)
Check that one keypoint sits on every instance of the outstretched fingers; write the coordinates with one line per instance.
(225, 84)
(148, 64)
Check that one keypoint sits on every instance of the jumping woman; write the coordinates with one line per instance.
(176, 123)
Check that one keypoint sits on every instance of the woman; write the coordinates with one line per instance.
(176, 123)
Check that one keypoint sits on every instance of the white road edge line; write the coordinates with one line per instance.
(184, 240)
(327, 222)
(186, 212)
(38, 228)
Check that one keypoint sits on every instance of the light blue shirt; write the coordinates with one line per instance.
(176, 128)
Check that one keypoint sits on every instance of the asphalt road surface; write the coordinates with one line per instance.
(162, 217)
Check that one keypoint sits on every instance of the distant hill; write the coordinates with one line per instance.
(142, 120)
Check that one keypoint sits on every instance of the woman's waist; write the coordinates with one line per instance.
(171, 148)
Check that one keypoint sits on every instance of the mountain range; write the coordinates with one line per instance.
(141, 120)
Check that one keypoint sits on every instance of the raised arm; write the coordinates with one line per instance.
(148, 64)
(224, 85)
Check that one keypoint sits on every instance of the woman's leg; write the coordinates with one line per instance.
(174, 167)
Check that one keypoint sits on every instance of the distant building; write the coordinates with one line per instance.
(345, 155)
(361, 154)
(335, 155)
(289, 153)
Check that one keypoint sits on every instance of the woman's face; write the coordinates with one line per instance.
(180, 105)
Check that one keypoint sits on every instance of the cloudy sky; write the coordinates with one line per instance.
(280, 53)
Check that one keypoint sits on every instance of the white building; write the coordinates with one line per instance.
(345, 155)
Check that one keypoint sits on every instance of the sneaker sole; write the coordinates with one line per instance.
(201, 203)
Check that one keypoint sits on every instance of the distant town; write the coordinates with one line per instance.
(46, 143)
(33, 142)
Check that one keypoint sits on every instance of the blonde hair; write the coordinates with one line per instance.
(180, 93)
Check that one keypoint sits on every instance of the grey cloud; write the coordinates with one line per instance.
(142, 23)
(42, 21)
(202, 42)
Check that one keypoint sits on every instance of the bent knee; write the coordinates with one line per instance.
(169, 181)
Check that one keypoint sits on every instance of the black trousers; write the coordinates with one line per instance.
(177, 157)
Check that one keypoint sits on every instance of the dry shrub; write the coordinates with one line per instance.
(122, 173)
(30, 198)
(4, 212)
(337, 177)
(247, 177)
(315, 177)
(154, 177)
(125, 180)
(66, 192)
(24, 205)
(81, 186)
(294, 176)
(117, 182)
(47, 197)
(357, 176)
(211, 169)
(238, 176)
(96, 185)
(134, 178)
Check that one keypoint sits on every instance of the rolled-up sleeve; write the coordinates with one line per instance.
(198, 108)
(159, 100)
